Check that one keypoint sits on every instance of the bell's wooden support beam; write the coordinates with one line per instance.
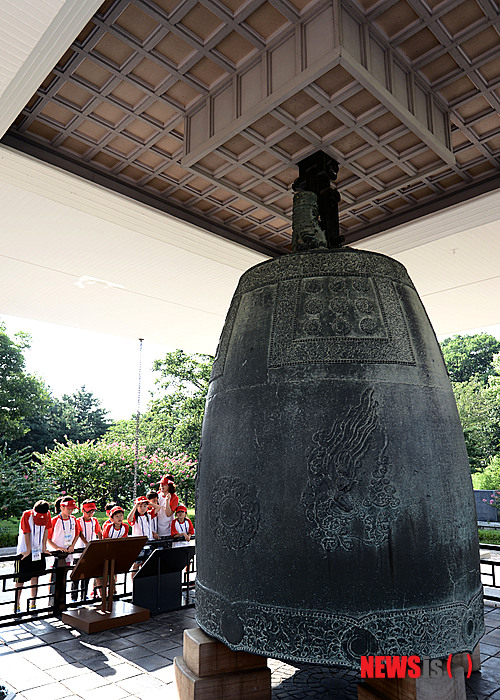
(209, 670)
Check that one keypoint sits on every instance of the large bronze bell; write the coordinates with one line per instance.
(335, 515)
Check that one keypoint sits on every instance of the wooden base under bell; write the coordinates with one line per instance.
(443, 688)
(208, 670)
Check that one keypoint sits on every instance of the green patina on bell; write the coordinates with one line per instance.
(335, 513)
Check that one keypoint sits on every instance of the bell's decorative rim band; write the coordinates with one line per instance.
(319, 637)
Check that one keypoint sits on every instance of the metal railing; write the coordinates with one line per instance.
(490, 573)
(55, 589)
(55, 592)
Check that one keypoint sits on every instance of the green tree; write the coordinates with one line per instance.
(22, 396)
(90, 469)
(43, 429)
(173, 420)
(76, 417)
(478, 411)
(83, 416)
(21, 483)
(468, 356)
(176, 409)
(489, 478)
(125, 431)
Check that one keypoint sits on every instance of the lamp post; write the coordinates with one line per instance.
(137, 419)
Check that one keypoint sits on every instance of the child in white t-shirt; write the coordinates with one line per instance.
(153, 510)
(32, 546)
(182, 528)
(139, 518)
(90, 529)
(168, 500)
(64, 529)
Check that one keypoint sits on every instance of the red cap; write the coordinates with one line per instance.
(87, 507)
(164, 480)
(68, 502)
(180, 507)
(141, 499)
(115, 510)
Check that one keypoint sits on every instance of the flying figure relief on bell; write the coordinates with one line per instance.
(349, 496)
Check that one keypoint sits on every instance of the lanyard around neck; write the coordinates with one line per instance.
(63, 521)
(91, 521)
(140, 520)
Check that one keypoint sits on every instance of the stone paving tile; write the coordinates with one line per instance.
(109, 692)
(153, 662)
(117, 644)
(122, 664)
(57, 636)
(142, 638)
(133, 653)
(166, 674)
(52, 691)
(172, 653)
(68, 670)
(139, 684)
(87, 681)
(24, 676)
(46, 657)
(479, 688)
(27, 643)
(489, 649)
(119, 672)
(161, 645)
(101, 663)
(490, 670)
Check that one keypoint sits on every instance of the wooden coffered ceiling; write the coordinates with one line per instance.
(201, 108)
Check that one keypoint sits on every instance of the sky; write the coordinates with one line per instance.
(68, 358)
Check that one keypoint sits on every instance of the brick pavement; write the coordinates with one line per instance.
(47, 660)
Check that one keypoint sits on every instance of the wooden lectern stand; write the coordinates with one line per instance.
(105, 558)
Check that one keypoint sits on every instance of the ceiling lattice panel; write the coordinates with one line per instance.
(202, 107)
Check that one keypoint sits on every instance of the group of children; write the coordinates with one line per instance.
(158, 514)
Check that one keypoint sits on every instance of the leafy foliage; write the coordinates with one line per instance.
(76, 417)
(173, 420)
(178, 407)
(479, 409)
(489, 478)
(83, 416)
(21, 483)
(22, 396)
(475, 372)
(469, 356)
(489, 537)
(105, 471)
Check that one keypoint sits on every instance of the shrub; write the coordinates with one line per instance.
(21, 483)
(7, 538)
(489, 478)
(105, 471)
(182, 467)
(489, 537)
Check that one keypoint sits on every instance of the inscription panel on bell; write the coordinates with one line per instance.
(327, 319)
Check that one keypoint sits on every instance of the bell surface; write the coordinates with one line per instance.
(335, 514)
